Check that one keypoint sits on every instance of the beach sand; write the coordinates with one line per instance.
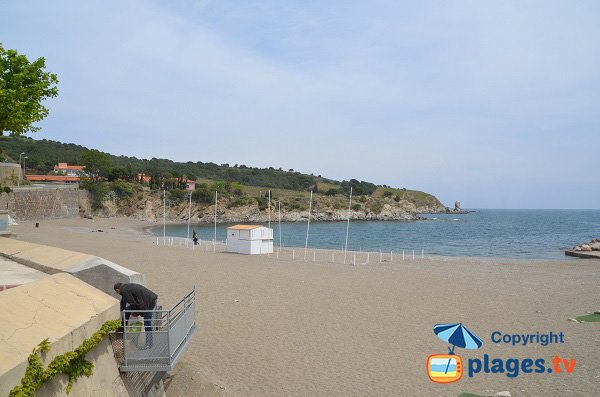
(270, 327)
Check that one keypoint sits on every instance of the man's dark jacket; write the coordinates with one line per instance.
(137, 297)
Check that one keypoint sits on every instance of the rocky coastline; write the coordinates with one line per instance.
(456, 210)
(586, 250)
(150, 208)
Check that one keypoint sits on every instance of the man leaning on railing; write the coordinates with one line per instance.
(138, 297)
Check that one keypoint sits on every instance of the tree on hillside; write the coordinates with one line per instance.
(96, 163)
(23, 87)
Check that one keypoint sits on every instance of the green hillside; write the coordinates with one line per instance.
(290, 185)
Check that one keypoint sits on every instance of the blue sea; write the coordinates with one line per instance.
(542, 234)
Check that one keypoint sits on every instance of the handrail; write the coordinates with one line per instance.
(165, 337)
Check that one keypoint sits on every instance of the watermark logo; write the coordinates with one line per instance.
(447, 368)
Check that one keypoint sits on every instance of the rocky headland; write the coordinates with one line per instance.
(148, 206)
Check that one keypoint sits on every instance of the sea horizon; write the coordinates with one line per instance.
(508, 233)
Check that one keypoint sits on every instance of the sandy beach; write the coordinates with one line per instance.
(273, 327)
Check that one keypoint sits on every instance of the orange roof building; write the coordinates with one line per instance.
(67, 169)
(190, 185)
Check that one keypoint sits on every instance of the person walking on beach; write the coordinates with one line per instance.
(137, 297)
(195, 238)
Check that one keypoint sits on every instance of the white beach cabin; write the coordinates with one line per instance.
(250, 239)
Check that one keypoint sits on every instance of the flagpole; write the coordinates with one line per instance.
(164, 216)
(279, 207)
(348, 225)
(216, 200)
(308, 225)
(269, 209)
(189, 215)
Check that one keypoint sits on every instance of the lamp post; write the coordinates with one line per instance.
(20, 173)
(24, 167)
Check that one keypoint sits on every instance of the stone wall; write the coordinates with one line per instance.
(43, 203)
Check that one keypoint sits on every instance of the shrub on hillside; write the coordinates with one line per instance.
(177, 196)
(361, 187)
(98, 191)
(122, 189)
(262, 203)
(202, 194)
(241, 201)
(375, 206)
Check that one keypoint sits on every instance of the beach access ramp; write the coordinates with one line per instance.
(160, 349)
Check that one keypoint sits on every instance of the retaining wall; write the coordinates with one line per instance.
(61, 307)
(43, 203)
(9, 174)
(67, 311)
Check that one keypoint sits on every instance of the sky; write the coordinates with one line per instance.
(495, 104)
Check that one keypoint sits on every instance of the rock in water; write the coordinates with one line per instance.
(457, 206)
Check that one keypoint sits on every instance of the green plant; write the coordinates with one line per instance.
(202, 194)
(73, 364)
(98, 191)
(24, 86)
(96, 163)
(241, 201)
(388, 193)
(7, 189)
(121, 188)
(356, 207)
(375, 206)
(362, 199)
(262, 203)
(13, 178)
(332, 192)
(177, 196)
(358, 188)
(397, 198)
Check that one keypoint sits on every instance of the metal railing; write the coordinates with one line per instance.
(156, 344)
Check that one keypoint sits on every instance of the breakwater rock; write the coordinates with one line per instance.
(586, 250)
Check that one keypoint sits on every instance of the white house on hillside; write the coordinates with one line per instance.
(249, 239)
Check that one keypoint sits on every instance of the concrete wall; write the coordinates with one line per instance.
(96, 274)
(67, 311)
(96, 271)
(43, 203)
(62, 308)
(9, 174)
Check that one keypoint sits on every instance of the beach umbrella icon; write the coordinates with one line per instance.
(457, 335)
